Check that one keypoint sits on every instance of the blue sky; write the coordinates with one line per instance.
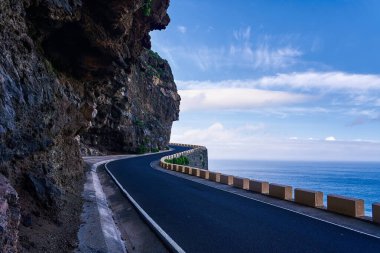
(286, 80)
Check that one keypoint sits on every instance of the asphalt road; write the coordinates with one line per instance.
(204, 219)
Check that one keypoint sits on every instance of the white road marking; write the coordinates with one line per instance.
(149, 219)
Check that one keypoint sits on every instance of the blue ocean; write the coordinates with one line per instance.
(352, 179)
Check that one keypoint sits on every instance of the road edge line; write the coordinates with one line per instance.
(173, 246)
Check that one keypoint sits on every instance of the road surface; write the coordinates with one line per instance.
(200, 218)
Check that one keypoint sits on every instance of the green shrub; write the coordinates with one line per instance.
(148, 8)
(138, 123)
(182, 160)
(142, 149)
(155, 150)
(154, 55)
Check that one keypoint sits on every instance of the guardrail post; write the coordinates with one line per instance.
(281, 191)
(345, 205)
(214, 176)
(226, 179)
(376, 212)
(204, 174)
(242, 183)
(308, 198)
(195, 172)
(259, 186)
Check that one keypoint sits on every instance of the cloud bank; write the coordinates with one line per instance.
(331, 81)
(250, 143)
(236, 99)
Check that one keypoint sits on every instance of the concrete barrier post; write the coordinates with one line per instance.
(242, 183)
(195, 172)
(281, 191)
(308, 198)
(259, 186)
(376, 212)
(226, 179)
(214, 176)
(345, 205)
(204, 174)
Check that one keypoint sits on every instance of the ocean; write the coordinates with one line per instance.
(352, 179)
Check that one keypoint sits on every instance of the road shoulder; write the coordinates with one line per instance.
(137, 234)
(109, 222)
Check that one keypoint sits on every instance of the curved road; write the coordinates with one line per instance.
(204, 219)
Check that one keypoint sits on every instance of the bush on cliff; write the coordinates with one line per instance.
(182, 160)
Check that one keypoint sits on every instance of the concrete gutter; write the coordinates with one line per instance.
(98, 232)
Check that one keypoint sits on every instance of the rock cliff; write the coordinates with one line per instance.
(76, 75)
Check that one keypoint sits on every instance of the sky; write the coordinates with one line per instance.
(276, 80)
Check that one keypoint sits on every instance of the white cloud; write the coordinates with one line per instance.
(371, 114)
(236, 99)
(242, 34)
(277, 58)
(363, 116)
(321, 80)
(349, 90)
(262, 55)
(215, 133)
(243, 52)
(330, 138)
(182, 29)
(325, 81)
(237, 143)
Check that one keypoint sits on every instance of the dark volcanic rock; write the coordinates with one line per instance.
(134, 111)
(9, 217)
(44, 190)
(76, 71)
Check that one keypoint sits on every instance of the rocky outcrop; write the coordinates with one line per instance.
(198, 158)
(135, 111)
(9, 216)
(78, 75)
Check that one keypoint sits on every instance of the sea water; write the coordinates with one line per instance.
(351, 179)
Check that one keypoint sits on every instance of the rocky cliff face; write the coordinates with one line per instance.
(77, 73)
(135, 111)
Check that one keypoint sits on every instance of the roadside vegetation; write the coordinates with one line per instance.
(148, 8)
(182, 160)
